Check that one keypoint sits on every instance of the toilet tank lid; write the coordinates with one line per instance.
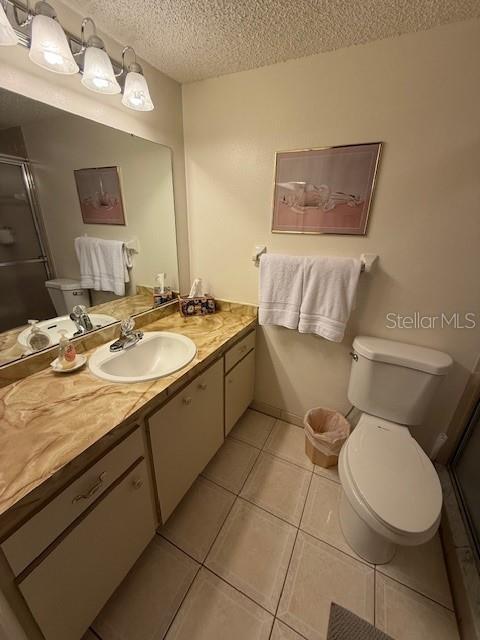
(65, 284)
(403, 354)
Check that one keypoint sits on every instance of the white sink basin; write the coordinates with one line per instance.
(157, 354)
(63, 323)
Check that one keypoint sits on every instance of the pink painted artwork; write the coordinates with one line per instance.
(325, 190)
(100, 195)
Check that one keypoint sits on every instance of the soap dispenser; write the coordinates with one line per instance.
(37, 339)
(67, 353)
(161, 293)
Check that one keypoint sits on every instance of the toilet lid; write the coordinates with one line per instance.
(393, 475)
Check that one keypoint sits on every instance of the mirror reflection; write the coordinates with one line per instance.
(87, 226)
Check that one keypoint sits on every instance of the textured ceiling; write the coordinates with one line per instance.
(16, 110)
(195, 39)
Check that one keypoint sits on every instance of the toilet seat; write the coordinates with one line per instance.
(390, 482)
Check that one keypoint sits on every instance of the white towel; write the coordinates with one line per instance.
(281, 281)
(329, 286)
(103, 264)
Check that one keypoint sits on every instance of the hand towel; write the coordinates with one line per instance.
(103, 264)
(329, 287)
(281, 281)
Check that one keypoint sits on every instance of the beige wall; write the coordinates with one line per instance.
(163, 125)
(59, 145)
(419, 94)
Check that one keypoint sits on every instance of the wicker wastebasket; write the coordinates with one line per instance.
(325, 432)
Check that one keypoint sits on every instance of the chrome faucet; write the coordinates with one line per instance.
(128, 336)
(81, 319)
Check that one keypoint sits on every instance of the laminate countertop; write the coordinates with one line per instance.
(47, 419)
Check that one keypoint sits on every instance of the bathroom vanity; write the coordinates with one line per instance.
(90, 469)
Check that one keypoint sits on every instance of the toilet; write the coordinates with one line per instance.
(391, 493)
(65, 294)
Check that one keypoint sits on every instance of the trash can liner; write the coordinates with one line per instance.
(326, 429)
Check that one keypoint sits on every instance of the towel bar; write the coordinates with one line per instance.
(367, 259)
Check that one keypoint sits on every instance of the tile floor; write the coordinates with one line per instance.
(255, 552)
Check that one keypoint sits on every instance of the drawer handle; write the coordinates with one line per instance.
(202, 386)
(243, 348)
(187, 401)
(91, 492)
(229, 381)
(138, 483)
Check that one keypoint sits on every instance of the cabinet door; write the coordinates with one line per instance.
(185, 434)
(239, 390)
(69, 587)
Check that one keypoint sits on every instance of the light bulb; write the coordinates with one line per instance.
(8, 37)
(49, 46)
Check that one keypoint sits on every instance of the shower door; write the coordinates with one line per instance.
(24, 265)
(465, 469)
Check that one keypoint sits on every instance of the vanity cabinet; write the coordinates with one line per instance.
(89, 536)
(68, 588)
(239, 381)
(185, 434)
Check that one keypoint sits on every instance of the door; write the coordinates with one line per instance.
(239, 384)
(24, 266)
(185, 434)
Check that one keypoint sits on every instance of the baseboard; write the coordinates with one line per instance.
(275, 412)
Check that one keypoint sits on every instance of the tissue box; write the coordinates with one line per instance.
(200, 306)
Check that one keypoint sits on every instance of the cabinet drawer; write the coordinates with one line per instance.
(238, 351)
(66, 591)
(185, 434)
(239, 385)
(23, 546)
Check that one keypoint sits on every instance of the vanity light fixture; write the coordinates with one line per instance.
(98, 74)
(135, 93)
(8, 36)
(55, 49)
(49, 46)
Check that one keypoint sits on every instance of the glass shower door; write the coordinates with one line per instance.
(466, 472)
(24, 264)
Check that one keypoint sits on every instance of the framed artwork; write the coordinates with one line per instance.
(100, 195)
(327, 190)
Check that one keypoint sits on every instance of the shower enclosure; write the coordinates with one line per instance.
(465, 471)
(24, 263)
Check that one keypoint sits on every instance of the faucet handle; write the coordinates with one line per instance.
(79, 310)
(127, 326)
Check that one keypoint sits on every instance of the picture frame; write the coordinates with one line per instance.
(327, 190)
(100, 195)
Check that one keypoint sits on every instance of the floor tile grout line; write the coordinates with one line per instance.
(319, 475)
(415, 590)
(275, 515)
(181, 603)
(219, 530)
(250, 444)
(218, 484)
(332, 546)
(290, 627)
(293, 550)
(223, 579)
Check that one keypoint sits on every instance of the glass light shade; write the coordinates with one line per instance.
(135, 94)
(7, 34)
(49, 47)
(98, 72)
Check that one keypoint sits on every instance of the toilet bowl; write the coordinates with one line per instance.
(391, 494)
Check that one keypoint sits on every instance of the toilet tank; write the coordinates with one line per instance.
(66, 294)
(394, 380)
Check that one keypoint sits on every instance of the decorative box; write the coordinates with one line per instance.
(200, 306)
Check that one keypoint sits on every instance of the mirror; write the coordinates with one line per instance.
(74, 191)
